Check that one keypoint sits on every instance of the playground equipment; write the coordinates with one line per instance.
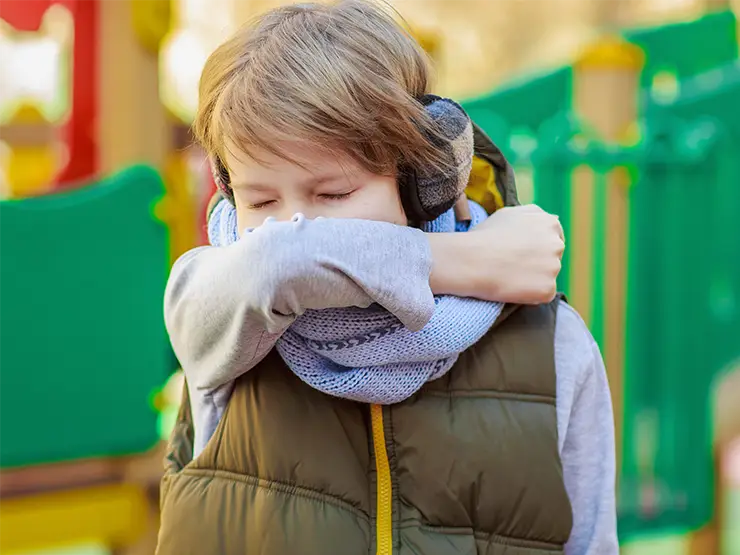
(82, 351)
(523, 106)
(647, 193)
(34, 104)
(91, 105)
(636, 186)
(58, 39)
(194, 29)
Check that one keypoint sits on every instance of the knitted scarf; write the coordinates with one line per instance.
(367, 355)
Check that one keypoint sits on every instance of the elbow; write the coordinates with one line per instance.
(214, 302)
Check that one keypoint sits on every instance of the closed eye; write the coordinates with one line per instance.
(259, 205)
(338, 196)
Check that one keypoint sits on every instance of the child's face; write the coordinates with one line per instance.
(317, 184)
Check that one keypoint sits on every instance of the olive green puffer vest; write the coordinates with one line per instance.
(469, 465)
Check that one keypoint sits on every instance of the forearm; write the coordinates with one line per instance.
(492, 268)
(225, 307)
(216, 334)
(453, 264)
(459, 270)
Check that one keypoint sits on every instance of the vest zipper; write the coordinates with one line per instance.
(384, 509)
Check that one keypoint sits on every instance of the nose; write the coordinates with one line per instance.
(290, 209)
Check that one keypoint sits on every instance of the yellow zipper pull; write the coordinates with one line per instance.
(384, 517)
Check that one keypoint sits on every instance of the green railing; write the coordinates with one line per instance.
(671, 54)
(522, 105)
(713, 93)
(83, 342)
(673, 48)
(681, 303)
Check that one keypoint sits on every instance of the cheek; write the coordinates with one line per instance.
(398, 215)
(394, 208)
(247, 218)
(381, 204)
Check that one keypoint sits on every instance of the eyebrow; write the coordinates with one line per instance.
(261, 187)
(253, 186)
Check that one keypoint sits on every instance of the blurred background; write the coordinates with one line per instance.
(622, 116)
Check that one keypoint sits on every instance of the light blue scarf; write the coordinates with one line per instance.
(371, 357)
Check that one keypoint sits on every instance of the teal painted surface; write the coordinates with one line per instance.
(677, 343)
(682, 304)
(683, 298)
(530, 102)
(83, 343)
(674, 47)
(523, 104)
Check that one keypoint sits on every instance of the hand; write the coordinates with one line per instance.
(523, 258)
(513, 256)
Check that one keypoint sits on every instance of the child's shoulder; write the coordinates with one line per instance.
(576, 353)
(571, 330)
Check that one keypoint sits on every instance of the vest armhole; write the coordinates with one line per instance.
(180, 445)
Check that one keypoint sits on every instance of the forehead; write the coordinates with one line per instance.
(301, 162)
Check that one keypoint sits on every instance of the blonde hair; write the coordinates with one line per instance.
(344, 76)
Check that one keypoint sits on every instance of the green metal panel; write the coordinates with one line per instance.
(683, 318)
(687, 48)
(83, 341)
(682, 305)
(666, 479)
(525, 103)
(690, 247)
(715, 93)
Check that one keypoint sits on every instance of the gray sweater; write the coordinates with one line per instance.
(226, 307)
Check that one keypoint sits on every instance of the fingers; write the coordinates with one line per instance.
(561, 235)
(560, 248)
(554, 222)
(530, 208)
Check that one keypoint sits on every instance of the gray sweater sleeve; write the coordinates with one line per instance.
(225, 307)
(586, 437)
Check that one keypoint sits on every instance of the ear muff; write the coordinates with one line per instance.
(426, 194)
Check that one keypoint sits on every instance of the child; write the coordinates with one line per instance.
(489, 428)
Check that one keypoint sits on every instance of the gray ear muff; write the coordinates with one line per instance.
(427, 194)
